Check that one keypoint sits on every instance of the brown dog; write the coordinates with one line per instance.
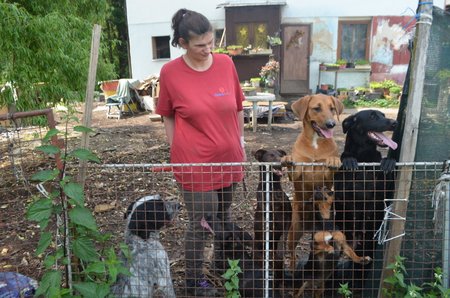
(315, 144)
(329, 246)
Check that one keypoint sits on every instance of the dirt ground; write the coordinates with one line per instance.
(133, 139)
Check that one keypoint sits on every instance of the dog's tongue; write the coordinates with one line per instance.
(388, 142)
(327, 133)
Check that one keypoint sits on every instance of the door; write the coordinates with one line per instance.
(295, 54)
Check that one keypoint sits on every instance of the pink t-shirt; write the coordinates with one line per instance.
(204, 106)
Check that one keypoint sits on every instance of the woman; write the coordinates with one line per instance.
(201, 101)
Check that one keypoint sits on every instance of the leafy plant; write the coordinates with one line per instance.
(344, 290)
(234, 47)
(274, 40)
(341, 62)
(387, 84)
(375, 85)
(232, 279)
(362, 62)
(380, 103)
(78, 259)
(220, 51)
(395, 89)
(397, 287)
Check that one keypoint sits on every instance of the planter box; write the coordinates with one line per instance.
(367, 66)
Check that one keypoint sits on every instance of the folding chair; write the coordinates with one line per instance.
(121, 98)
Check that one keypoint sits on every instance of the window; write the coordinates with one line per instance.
(353, 41)
(161, 47)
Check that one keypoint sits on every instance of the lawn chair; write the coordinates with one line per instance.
(124, 95)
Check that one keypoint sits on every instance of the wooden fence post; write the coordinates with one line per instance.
(410, 132)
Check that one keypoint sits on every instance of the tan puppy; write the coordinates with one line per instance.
(315, 144)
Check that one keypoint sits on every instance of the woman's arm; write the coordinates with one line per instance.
(169, 125)
(241, 128)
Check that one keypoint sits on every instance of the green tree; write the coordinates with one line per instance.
(45, 50)
(116, 31)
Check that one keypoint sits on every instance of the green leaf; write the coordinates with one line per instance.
(97, 267)
(84, 249)
(49, 286)
(74, 191)
(52, 132)
(40, 210)
(81, 128)
(44, 242)
(45, 175)
(90, 289)
(48, 149)
(84, 154)
(83, 217)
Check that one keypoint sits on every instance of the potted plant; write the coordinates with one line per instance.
(332, 66)
(376, 87)
(388, 84)
(362, 64)
(342, 63)
(256, 82)
(274, 41)
(234, 50)
(269, 72)
(220, 51)
(395, 91)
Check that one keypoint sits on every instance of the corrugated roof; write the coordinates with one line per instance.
(236, 3)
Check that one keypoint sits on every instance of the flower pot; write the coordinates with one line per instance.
(235, 52)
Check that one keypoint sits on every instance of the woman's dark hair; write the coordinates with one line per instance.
(186, 22)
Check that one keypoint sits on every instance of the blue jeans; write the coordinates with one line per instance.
(212, 205)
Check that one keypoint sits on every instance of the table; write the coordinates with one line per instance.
(254, 99)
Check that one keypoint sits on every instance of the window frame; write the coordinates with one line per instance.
(367, 22)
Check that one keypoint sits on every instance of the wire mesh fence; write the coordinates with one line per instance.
(343, 236)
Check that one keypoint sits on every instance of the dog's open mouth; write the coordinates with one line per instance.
(322, 132)
(382, 140)
(278, 171)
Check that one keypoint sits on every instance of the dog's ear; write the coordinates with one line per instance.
(282, 152)
(338, 105)
(348, 123)
(300, 107)
(259, 154)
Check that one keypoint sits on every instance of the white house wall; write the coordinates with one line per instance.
(147, 19)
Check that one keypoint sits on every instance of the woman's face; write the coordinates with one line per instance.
(199, 47)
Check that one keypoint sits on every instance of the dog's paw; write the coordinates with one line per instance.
(286, 161)
(333, 162)
(349, 163)
(387, 165)
(365, 260)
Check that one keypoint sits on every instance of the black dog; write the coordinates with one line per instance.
(231, 242)
(360, 191)
(280, 210)
(149, 265)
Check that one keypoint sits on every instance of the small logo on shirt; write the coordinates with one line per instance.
(221, 92)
